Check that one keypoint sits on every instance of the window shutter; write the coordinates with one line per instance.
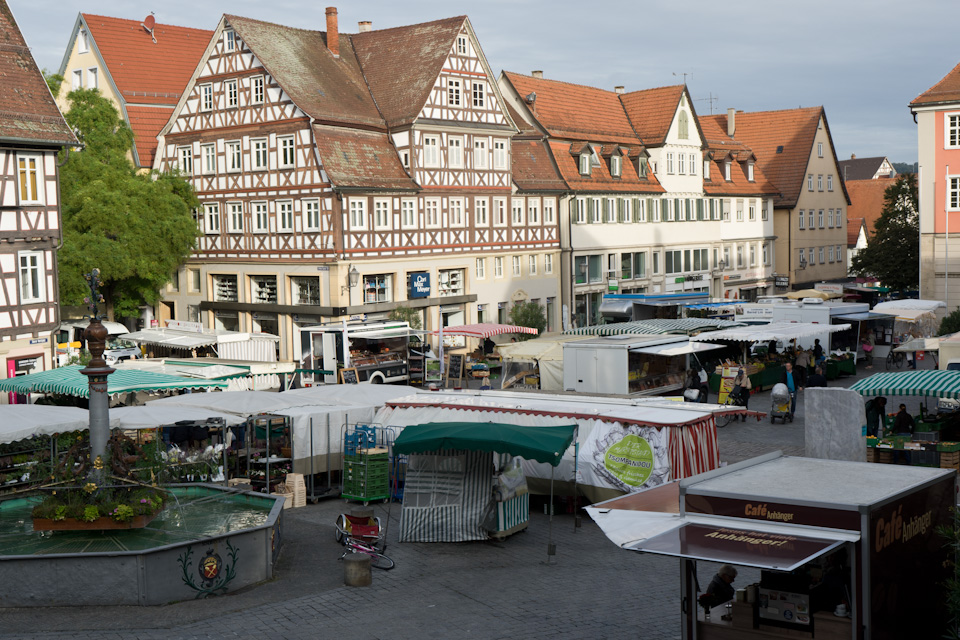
(636, 209)
(676, 209)
(700, 209)
(589, 210)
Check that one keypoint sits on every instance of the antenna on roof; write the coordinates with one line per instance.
(684, 74)
(711, 100)
(148, 23)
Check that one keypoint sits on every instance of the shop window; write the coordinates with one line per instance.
(263, 289)
(450, 282)
(377, 288)
(305, 289)
(225, 288)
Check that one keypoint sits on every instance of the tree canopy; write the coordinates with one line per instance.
(137, 228)
(528, 314)
(893, 249)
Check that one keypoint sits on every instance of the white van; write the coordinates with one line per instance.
(70, 342)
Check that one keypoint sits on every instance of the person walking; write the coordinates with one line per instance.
(818, 357)
(691, 387)
(868, 342)
(704, 384)
(794, 384)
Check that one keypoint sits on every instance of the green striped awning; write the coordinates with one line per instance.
(939, 384)
(655, 327)
(70, 382)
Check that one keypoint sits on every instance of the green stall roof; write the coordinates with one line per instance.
(69, 381)
(543, 444)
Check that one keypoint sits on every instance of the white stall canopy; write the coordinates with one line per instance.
(674, 350)
(782, 331)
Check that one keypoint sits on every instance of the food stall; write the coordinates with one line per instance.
(375, 352)
(863, 563)
(846, 346)
(920, 318)
(534, 364)
(764, 368)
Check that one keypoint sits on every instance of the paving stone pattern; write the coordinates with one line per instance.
(489, 590)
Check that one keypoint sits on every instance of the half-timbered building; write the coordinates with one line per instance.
(349, 174)
(32, 131)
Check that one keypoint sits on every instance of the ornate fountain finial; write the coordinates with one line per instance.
(94, 282)
(95, 334)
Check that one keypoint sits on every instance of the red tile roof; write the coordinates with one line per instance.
(853, 231)
(721, 146)
(945, 91)
(328, 89)
(651, 112)
(401, 65)
(791, 131)
(533, 168)
(146, 123)
(600, 179)
(866, 200)
(360, 159)
(144, 71)
(27, 110)
(574, 111)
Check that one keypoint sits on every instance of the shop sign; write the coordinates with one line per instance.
(732, 276)
(184, 325)
(25, 364)
(323, 267)
(773, 512)
(419, 285)
(827, 287)
(781, 282)
(39, 341)
(679, 280)
(613, 285)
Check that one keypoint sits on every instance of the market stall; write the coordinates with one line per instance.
(68, 381)
(679, 326)
(849, 342)
(920, 318)
(534, 364)
(846, 564)
(481, 331)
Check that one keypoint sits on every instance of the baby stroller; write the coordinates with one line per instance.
(780, 404)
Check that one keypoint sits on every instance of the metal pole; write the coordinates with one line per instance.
(313, 493)
(946, 248)
(551, 546)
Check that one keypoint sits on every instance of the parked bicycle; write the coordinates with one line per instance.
(377, 559)
(895, 359)
(363, 534)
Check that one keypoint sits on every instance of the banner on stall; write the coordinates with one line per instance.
(728, 375)
(624, 457)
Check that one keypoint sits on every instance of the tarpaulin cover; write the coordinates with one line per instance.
(784, 331)
(70, 382)
(939, 384)
(21, 421)
(543, 444)
(485, 330)
(654, 327)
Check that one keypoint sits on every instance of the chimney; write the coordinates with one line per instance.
(853, 156)
(333, 36)
(537, 74)
(618, 89)
(364, 26)
(731, 121)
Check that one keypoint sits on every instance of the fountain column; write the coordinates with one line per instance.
(97, 371)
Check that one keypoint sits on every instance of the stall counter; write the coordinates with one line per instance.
(826, 625)
(763, 379)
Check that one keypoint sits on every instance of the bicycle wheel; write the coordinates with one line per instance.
(381, 561)
(900, 358)
(890, 361)
(341, 527)
(723, 420)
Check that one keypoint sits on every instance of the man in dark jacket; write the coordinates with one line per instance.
(720, 589)
(817, 379)
(875, 414)
(903, 423)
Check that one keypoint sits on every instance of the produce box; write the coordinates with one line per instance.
(948, 446)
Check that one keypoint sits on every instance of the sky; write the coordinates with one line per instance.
(863, 61)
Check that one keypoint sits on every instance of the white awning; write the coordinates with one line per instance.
(674, 350)
(894, 306)
(380, 335)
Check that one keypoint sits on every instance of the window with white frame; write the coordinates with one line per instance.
(753, 255)
(500, 212)
(286, 149)
(431, 151)
(673, 261)
(311, 214)
(953, 193)
(29, 178)
(739, 210)
(681, 164)
(830, 182)
(229, 40)
(305, 289)
(549, 211)
(456, 212)
(234, 156)
(819, 149)
(623, 207)
(261, 217)
(596, 213)
(408, 213)
(642, 166)
(820, 218)
(821, 255)
(802, 223)
(829, 218)
(481, 268)
(208, 154)
(839, 253)
(819, 183)
(640, 210)
(499, 154)
(377, 288)
(235, 217)
(726, 170)
(763, 211)
(585, 164)
(479, 97)
(381, 214)
(206, 97)
(185, 159)
(533, 211)
(532, 265)
(654, 205)
(581, 210)
(256, 90)
(810, 215)
(839, 218)
(516, 266)
(211, 216)
(715, 209)
(516, 211)
(461, 45)
(952, 130)
(453, 92)
(609, 210)
(225, 288)
(76, 80)
(616, 164)
(803, 258)
(258, 151)
(811, 258)
(32, 278)
(548, 264)
(480, 154)
(432, 212)
(498, 267)
(230, 93)
(830, 253)
(706, 168)
(358, 214)
(750, 171)
(752, 212)
(670, 162)
(83, 45)
(455, 152)
(739, 256)
(405, 158)
(93, 78)
(285, 216)
(667, 206)
(726, 257)
(693, 164)
(766, 254)
(263, 289)
(810, 182)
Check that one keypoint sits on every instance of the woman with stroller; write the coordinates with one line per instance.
(691, 387)
(741, 391)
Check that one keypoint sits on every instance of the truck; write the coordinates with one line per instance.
(817, 311)
(365, 352)
(70, 342)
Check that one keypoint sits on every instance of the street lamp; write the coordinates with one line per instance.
(353, 278)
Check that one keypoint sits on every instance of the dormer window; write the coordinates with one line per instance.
(230, 40)
(750, 171)
(706, 168)
(726, 170)
(585, 163)
(616, 164)
(644, 167)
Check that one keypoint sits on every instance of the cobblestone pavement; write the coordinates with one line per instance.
(508, 589)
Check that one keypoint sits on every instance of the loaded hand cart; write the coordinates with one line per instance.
(366, 463)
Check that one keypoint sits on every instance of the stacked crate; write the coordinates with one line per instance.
(366, 474)
(949, 455)
(296, 484)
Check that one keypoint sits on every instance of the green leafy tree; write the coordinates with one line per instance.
(950, 324)
(137, 228)
(407, 314)
(528, 314)
(892, 252)
(54, 80)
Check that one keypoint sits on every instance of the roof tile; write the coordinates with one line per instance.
(860, 168)
(360, 159)
(945, 91)
(600, 178)
(867, 200)
(533, 169)
(853, 230)
(651, 111)
(146, 123)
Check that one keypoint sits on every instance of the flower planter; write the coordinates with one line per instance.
(100, 524)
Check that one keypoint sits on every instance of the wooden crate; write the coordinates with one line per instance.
(950, 460)
(885, 456)
(872, 455)
(288, 503)
(298, 487)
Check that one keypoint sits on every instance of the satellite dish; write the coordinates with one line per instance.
(149, 22)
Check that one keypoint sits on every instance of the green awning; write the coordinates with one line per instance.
(69, 381)
(939, 384)
(543, 444)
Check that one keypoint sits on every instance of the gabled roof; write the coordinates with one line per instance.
(144, 71)
(853, 230)
(860, 168)
(533, 168)
(866, 200)
(783, 142)
(600, 180)
(327, 88)
(651, 112)
(401, 65)
(574, 111)
(720, 147)
(354, 158)
(146, 123)
(27, 110)
(945, 91)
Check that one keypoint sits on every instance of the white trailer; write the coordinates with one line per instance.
(377, 351)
